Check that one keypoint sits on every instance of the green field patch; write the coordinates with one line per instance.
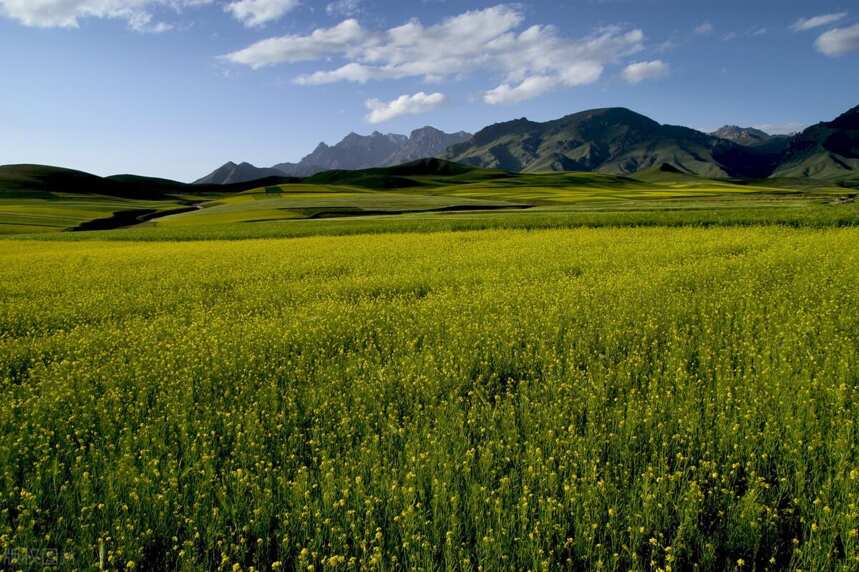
(301, 201)
(449, 200)
(61, 212)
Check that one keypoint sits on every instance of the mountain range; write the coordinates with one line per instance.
(354, 152)
(747, 135)
(611, 140)
(620, 141)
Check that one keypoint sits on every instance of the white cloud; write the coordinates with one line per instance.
(704, 29)
(346, 8)
(528, 88)
(486, 40)
(356, 73)
(258, 12)
(322, 43)
(838, 41)
(381, 111)
(67, 13)
(640, 71)
(581, 73)
(817, 21)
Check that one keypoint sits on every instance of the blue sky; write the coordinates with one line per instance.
(174, 88)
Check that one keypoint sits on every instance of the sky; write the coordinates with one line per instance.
(175, 88)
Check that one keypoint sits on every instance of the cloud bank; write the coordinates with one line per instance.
(138, 13)
(529, 60)
(68, 13)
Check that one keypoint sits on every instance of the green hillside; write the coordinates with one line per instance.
(40, 198)
(826, 151)
(430, 193)
(31, 180)
(620, 141)
(612, 140)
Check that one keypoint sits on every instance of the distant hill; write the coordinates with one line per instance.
(411, 174)
(241, 173)
(30, 180)
(612, 140)
(26, 179)
(424, 143)
(748, 136)
(354, 152)
(620, 141)
(828, 150)
(375, 150)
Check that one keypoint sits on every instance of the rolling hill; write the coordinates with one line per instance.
(354, 152)
(31, 180)
(230, 173)
(40, 198)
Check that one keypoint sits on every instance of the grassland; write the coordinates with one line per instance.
(299, 201)
(56, 212)
(614, 399)
(362, 195)
(425, 196)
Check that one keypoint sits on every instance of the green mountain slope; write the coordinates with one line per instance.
(418, 173)
(612, 140)
(828, 150)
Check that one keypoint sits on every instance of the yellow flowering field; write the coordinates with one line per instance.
(612, 399)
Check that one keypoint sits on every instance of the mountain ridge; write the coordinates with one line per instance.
(353, 152)
(237, 173)
(611, 140)
(749, 136)
(619, 141)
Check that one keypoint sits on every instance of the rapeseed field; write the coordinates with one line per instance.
(607, 398)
